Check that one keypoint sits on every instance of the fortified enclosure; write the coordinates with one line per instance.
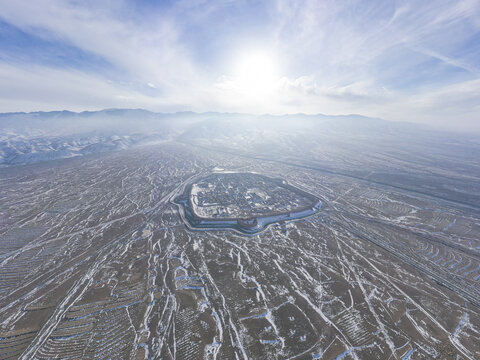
(246, 202)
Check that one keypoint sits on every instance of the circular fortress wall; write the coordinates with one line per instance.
(246, 202)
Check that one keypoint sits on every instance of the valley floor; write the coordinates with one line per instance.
(95, 262)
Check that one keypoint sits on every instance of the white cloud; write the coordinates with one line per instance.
(337, 57)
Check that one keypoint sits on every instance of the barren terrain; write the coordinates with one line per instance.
(96, 261)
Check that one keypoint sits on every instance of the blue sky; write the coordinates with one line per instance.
(407, 60)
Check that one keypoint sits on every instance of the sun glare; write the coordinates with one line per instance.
(256, 73)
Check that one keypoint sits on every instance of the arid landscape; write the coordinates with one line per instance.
(96, 260)
(240, 180)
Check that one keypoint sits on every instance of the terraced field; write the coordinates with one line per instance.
(97, 263)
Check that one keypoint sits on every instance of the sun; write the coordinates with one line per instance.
(256, 73)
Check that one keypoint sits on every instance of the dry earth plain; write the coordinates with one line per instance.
(97, 263)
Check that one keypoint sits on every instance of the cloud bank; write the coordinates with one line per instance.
(400, 60)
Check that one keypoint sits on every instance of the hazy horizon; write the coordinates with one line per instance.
(360, 117)
(396, 60)
(240, 179)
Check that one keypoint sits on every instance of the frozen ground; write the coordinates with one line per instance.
(95, 261)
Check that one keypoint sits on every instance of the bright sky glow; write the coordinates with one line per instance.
(254, 77)
(404, 60)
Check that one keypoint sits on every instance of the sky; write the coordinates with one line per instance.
(403, 60)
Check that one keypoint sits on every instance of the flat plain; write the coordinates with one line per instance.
(96, 261)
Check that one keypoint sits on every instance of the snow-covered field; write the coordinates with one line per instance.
(96, 262)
